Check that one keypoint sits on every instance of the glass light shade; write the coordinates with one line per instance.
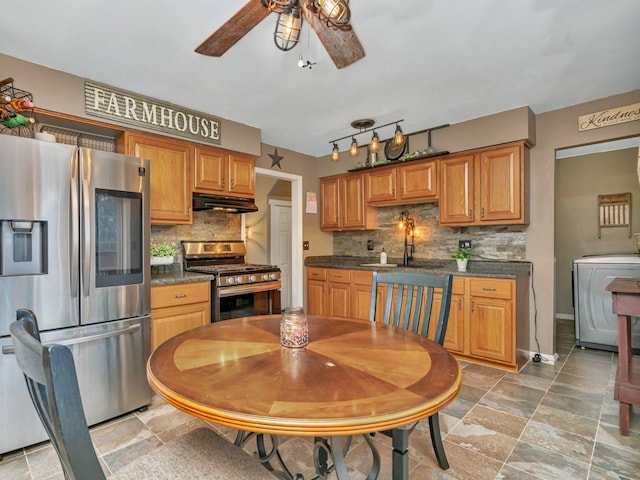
(374, 146)
(398, 137)
(278, 6)
(353, 150)
(288, 27)
(335, 153)
(335, 12)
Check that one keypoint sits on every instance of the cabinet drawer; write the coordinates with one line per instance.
(179, 294)
(361, 277)
(339, 275)
(491, 288)
(316, 273)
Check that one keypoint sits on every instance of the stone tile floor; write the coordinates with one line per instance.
(545, 422)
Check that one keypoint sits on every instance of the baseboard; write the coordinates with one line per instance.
(564, 316)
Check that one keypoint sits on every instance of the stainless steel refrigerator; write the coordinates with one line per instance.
(74, 248)
(595, 323)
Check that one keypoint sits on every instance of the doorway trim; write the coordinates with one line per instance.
(297, 296)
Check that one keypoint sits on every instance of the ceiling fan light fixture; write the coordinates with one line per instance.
(336, 13)
(398, 137)
(353, 150)
(335, 153)
(374, 145)
(278, 6)
(288, 27)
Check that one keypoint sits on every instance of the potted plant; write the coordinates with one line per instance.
(163, 253)
(462, 256)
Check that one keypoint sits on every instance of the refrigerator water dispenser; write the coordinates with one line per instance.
(23, 247)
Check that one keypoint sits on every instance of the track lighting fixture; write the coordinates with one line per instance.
(398, 137)
(335, 153)
(353, 150)
(364, 125)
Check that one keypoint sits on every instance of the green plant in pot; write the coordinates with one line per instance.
(462, 256)
(163, 253)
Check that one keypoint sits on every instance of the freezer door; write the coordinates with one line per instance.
(596, 324)
(114, 237)
(110, 361)
(38, 269)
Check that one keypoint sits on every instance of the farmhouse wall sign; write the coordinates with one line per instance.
(126, 107)
(609, 117)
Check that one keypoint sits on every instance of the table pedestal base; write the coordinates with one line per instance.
(328, 456)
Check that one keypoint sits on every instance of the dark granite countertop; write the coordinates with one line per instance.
(168, 277)
(475, 268)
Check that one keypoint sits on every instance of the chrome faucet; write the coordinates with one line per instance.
(408, 223)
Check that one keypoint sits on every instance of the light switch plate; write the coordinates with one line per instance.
(305, 245)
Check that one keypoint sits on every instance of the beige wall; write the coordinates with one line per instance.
(555, 130)
(64, 93)
(579, 181)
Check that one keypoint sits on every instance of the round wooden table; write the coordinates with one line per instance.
(354, 376)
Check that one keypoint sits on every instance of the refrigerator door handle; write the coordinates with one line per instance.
(86, 220)
(74, 232)
(9, 349)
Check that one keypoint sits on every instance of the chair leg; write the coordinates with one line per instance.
(436, 440)
(400, 457)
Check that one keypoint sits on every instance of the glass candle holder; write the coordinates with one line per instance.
(294, 329)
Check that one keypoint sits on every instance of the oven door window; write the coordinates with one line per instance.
(119, 252)
(246, 305)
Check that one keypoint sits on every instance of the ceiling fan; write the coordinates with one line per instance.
(328, 18)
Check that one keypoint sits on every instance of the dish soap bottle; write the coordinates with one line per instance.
(383, 256)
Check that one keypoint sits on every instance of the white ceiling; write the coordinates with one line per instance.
(430, 62)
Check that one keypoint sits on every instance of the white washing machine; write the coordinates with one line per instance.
(596, 324)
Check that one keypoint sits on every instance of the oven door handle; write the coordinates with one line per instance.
(248, 288)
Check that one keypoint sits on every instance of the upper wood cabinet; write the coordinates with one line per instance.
(411, 182)
(342, 204)
(485, 187)
(222, 172)
(170, 198)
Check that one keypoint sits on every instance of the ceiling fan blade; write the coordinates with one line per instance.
(342, 45)
(234, 29)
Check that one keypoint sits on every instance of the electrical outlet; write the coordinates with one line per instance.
(369, 244)
(464, 244)
(305, 245)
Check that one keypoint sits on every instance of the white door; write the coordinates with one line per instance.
(280, 236)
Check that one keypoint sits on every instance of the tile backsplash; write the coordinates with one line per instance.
(432, 241)
(207, 225)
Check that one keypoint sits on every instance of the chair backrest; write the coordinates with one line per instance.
(407, 301)
(51, 378)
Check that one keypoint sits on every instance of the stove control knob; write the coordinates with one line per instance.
(273, 276)
(239, 279)
(265, 277)
(253, 278)
(230, 280)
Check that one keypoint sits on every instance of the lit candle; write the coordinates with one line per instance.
(294, 330)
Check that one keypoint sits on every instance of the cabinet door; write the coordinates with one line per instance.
(329, 203)
(316, 297)
(501, 184)
(241, 175)
(338, 299)
(210, 172)
(454, 338)
(360, 294)
(418, 181)
(381, 185)
(169, 322)
(456, 190)
(491, 329)
(170, 198)
(352, 201)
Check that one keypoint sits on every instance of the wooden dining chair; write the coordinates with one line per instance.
(53, 386)
(407, 300)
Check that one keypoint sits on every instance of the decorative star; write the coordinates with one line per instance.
(276, 159)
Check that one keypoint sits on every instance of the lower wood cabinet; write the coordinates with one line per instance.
(486, 317)
(177, 308)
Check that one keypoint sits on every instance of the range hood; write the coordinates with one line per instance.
(220, 203)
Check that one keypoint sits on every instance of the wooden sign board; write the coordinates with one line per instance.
(606, 118)
(126, 107)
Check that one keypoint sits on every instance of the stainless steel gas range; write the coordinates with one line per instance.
(239, 289)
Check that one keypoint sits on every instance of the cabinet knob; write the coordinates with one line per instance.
(181, 295)
(469, 213)
(472, 305)
(489, 289)
(482, 213)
